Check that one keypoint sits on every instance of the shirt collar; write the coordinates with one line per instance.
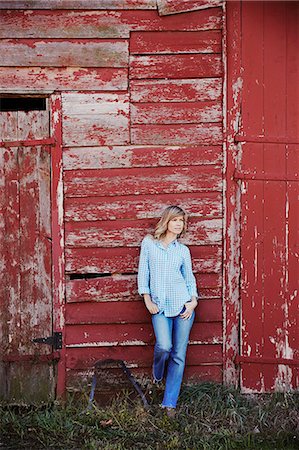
(173, 243)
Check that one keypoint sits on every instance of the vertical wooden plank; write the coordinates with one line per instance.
(58, 262)
(292, 272)
(253, 63)
(252, 267)
(231, 245)
(9, 262)
(274, 68)
(275, 329)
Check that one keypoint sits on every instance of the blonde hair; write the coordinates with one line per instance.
(168, 214)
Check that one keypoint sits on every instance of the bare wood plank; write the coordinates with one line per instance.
(128, 233)
(100, 24)
(85, 358)
(206, 259)
(190, 90)
(77, 104)
(175, 66)
(168, 113)
(207, 204)
(139, 156)
(104, 335)
(173, 134)
(99, 119)
(175, 42)
(67, 79)
(8, 125)
(208, 311)
(33, 125)
(79, 53)
(78, 4)
(161, 180)
(166, 7)
(122, 288)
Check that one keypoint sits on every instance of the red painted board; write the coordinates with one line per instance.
(192, 134)
(175, 42)
(63, 78)
(124, 288)
(205, 204)
(83, 358)
(252, 268)
(188, 90)
(128, 233)
(166, 7)
(101, 24)
(274, 69)
(168, 113)
(78, 4)
(207, 259)
(175, 66)
(161, 180)
(140, 156)
(133, 333)
(252, 76)
(99, 312)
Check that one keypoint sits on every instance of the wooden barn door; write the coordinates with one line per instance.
(268, 180)
(26, 367)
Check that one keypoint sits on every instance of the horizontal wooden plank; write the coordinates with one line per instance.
(78, 104)
(78, 4)
(104, 335)
(31, 79)
(123, 288)
(139, 156)
(58, 53)
(129, 233)
(188, 134)
(175, 42)
(138, 356)
(161, 180)
(203, 204)
(134, 312)
(99, 119)
(111, 380)
(101, 24)
(166, 7)
(206, 259)
(175, 66)
(190, 90)
(168, 113)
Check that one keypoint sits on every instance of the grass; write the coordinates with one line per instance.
(210, 416)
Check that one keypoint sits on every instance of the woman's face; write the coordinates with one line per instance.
(176, 225)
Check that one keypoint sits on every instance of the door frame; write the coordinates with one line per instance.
(58, 257)
(232, 93)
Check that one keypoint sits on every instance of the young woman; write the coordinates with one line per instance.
(166, 282)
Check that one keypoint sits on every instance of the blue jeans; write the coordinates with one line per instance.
(172, 335)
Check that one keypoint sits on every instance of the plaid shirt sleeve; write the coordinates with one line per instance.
(188, 273)
(143, 269)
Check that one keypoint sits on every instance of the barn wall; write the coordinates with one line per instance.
(142, 129)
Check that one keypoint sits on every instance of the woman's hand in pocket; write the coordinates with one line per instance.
(189, 308)
(150, 305)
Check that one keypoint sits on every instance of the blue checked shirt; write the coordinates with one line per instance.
(166, 275)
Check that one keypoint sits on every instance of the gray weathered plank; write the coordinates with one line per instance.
(79, 53)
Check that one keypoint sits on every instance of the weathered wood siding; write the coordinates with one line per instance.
(142, 129)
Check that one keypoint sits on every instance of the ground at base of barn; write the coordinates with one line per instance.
(209, 416)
